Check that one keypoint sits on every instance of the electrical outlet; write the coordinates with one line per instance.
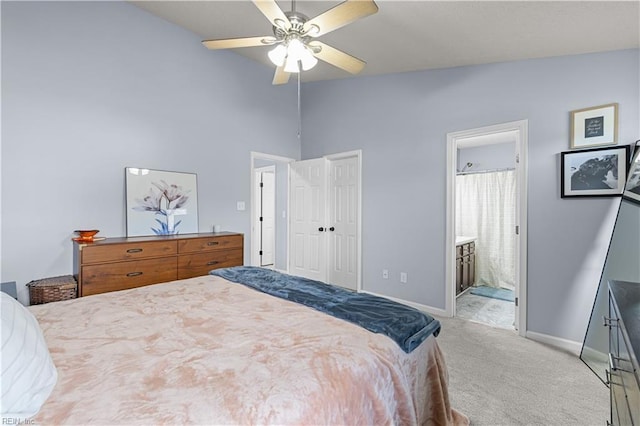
(403, 277)
(385, 274)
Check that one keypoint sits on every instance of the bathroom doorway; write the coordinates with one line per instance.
(486, 225)
(485, 213)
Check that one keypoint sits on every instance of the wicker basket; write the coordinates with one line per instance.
(52, 289)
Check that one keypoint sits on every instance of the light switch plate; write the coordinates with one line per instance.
(240, 206)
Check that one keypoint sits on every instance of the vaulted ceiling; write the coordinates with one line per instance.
(420, 35)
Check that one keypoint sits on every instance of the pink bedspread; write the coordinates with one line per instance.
(208, 351)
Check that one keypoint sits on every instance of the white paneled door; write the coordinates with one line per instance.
(343, 222)
(324, 240)
(307, 256)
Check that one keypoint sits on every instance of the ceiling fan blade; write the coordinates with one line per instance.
(232, 43)
(281, 76)
(274, 14)
(338, 58)
(339, 16)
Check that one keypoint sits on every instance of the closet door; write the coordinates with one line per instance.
(343, 222)
(307, 254)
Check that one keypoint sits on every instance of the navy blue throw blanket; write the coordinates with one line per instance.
(407, 326)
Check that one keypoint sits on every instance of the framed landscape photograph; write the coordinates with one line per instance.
(594, 126)
(632, 189)
(598, 172)
(160, 202)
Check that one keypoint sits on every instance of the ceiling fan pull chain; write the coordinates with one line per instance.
(299, 111)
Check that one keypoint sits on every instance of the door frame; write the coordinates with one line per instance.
(253, 155)
(521, 135)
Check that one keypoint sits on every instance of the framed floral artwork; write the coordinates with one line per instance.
(596, 172)
(594, 126)
(160, 202)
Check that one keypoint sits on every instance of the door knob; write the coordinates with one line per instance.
(332, 229)
(321, 229)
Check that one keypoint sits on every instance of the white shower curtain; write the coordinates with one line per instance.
(485, 208)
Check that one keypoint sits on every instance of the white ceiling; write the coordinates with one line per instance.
(420, 35)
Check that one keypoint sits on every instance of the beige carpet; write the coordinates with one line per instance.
(498, 378)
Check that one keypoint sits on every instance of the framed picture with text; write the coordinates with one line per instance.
(597, 172)
(594, 126)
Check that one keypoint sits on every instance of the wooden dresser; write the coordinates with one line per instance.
(121, 263)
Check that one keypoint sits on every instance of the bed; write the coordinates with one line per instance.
(207, 350)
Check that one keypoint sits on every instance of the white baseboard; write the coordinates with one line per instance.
(564, 344)
(428, 309)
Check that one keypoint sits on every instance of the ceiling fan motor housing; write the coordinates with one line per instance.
(297, 21)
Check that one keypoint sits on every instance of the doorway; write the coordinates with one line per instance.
(509, 133)
(265, 212)
(485, 207)
(269, 241)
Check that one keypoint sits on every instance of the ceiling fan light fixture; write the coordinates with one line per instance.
(308, 60)
(293, 54)
(295, 49)
(278, 55)
(291, 66)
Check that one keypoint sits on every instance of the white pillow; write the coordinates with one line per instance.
(28, 374)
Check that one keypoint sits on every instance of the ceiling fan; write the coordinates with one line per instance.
(294, 37)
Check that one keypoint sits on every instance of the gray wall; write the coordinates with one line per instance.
(401, 121)
(488, 157)
(89, 88)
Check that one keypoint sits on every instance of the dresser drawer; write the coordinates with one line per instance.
(193, 245)
(123, 275)
(468, 248)
(198, 264)
(117, 252)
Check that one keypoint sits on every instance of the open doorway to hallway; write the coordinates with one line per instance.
(269, 210)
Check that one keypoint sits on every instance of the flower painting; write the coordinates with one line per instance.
(160, 202)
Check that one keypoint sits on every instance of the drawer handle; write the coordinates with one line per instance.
(136, 250)
(213, 243)
(134, 274)
(213, 262)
